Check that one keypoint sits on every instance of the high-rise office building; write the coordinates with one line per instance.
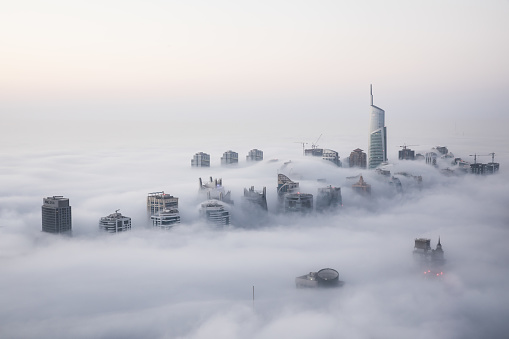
(328, 198)
(200, 160)
(357, 158)
(377, 136)
(115, 223)
(56, 215)
(230, 158)
(254, 155)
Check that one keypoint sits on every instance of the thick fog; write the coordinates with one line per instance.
(197, 282)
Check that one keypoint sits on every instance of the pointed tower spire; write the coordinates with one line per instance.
(439, 240)
(371, 93)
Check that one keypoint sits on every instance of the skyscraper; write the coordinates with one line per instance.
(56, 215)
(377, 135)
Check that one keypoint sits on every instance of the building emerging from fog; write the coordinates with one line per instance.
(230, 158)
(326, 277)
(56, 215)
(328, 198)
(377, 136)
(362, 187)
(406, 154)
(166, 218)
(256, 198)
(298, 202)
(427, 256)
(357, 158)
(115, 223)
(215, 213)
(254, 155)
(214, 190)
(158, 201)
(285, 185)
(431, 158)
(200, 160)
(325, 154)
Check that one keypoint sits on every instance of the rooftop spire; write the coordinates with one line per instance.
(371, 92)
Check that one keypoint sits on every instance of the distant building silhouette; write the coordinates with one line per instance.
(406, 154)
(200, 160)
(431, 158)
(230, 158)
(357, 158)
(362, 187)
(115, 223)
(377, 136)
(254, 155)
(56, 215)
(328, 198)
(256, 198)
(298, 202)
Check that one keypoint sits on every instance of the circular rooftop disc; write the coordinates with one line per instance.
(328, 274)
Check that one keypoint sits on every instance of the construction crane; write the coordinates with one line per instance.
(303, 145)
(314, 145)
(475, 155)
(405, 146)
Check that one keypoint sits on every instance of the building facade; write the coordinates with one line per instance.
(357, 158)
(115, 223)
(165, 219)
(254, 155)
(362, 187)
(298, 202)
(256, 198)
(230, 158)
(200, 160)
(56, 215)
(377, 136)
(214, 212)
(158, 201)
(325, 154)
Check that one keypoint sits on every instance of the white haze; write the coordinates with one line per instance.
(195, 282)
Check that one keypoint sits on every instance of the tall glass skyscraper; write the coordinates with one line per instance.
(377, 135)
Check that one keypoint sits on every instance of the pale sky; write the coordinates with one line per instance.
(431, 62)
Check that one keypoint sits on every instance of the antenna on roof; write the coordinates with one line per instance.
(371, 92)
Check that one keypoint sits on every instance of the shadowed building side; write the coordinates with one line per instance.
(56, 215)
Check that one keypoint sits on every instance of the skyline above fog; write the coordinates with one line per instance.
(105, 101)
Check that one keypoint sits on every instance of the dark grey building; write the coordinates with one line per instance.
(56, 215)
(406, 154)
